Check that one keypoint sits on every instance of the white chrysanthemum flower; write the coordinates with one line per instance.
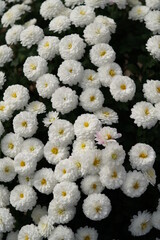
(96, 33)
(4, 196)
(44, 180)
(106, 21)
(86, 125)
(59, 24)
(122, 88)
(45, 226)
(36, 107)
(72, 47)
(96, 206)
(82, 16)
(16, 96)
(102, 53)
(62, 232)
(24, 164)
(151, 91)
(152, 21)
(144, 114)
(153, 4)
(13, 34)
(142, 156)
(66, 193)
(7, 172)
(26, 180)
(107, 115)
(46, 85)
(81, 145)
(91, 184)
(12, 236)
(90, 79)
(138, 12)
(108, 72)
(91, 99)
(66, 11)
(50, 118)
(94, 160)
(50, 9)
(48, 47)
(6, 55)
(11, 144)
(112, 177)
(86, 233)
(135, 184)
(113, 154)
(34, 67)
(25, 124)
(7, 220)
(34, 147)
(60, 212)
(96, 3)
(5, 111)
(79, 164)
(157, 112)
(121, 4)
(29, 232)
(64, 100)
(54, 152)
(13, 14)
(65, 171)
(155, 219)
(70, 72)
(133, 3)
(140, 224)
(61, 132)
(23, 198)
(1, 129)
(2, 79)
(37, 213)
(2, 7)
(153, 48)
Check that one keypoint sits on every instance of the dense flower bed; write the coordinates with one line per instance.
(79, 119)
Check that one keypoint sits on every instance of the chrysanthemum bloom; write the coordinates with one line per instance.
(50, 9)
(86, 233)
(13, 34)
(156, 220)
(4, 196)
(2, 7)
(29, 232)
(7, 171)
(45, 226)
(2, 79)
(140, 224)
(81, 145)
(5, 111)
(59, 24)
(138, 12)
(48, 47)
(151, 91)
(36, 107)
(62, 232)
(50, 118)
(96, 206)
(90, 79)
(7, 220)
(108, 22)
(1, 129)
(26, 180)
(153, 46)
(6, 55)
(91, 184)
(12, 236)
(153, 4)
(38, 212)
(23, 198)
(152, 21)
(142, 156)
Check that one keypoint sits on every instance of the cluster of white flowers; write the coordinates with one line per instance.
(72, 150)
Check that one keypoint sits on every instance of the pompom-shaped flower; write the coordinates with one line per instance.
(153, 46)
(91, 184)
(90, 79)
(11, 144)
(50, 9)
(2, 79)
(13, 34)
(142, 156)
(4, 196)
(86, 233)
(122, 88)
(91, 99)
(156, 220)
(106, 21)
(82, 16)
(102, 53)
(107, 115)
(62, 232)
(59, 24)
(70, 72)
(7, 172)
(46, 85)
(151, 91)
(6, 54)
(152, 21)
(153, 4)
(138, 12)
(34, 67)
(36, 107)
(29, 232)
(96, 206)
(23, 198)
(16, 96)
(31, 36)
(2, 7)
(82, 145)
(45, 226)
(140, 224)
(50, 118)
(7, 220)
(5, 111)
(61, 132)
(37, 213)
(25, 124)
(144, 114)
(64, 100)
(44, 180)
(48, 47)
(135, 184)
(86, 125)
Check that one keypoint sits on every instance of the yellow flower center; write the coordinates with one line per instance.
(139, 11)
(158, 89)
(123, 87)
(98, 209)
(33, 66)
(43, 181)
(146, 111)
(46, 85)
(21, 195)
(94, 186)
(92, 98)
(26, 237)
(96, 162)
(71, 70)
(83, 145)
(143, 225)
(22, 164)
(90, 78)
(24, 124)
(61, 131)
(108, 136)
(46, 44)
(86, 124)
(31, 149)
(87, 238)
(64, 194)
(114, 174)
(61, 211)
(114, 156)
(54, 150)
(6, 169)
(2, 108)
(64, 171)
(143, 155)
(82, 12)
(78, 165)
(106, 114)
(112, 73)
(98, 31)
(14, 95)
(136, 185)
(10, 146)
(69, 45)
(103, 53)
(27, 179)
